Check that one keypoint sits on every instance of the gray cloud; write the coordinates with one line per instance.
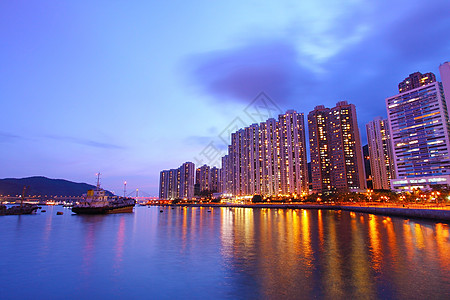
(242, 73)
(398, 41)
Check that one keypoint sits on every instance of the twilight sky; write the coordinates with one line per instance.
(129, 88)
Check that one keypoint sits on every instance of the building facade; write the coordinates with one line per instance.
(164, 185)
(346, 151)
(177, 183)
(336, 154)
(319, 145)
(380, 153)
(204, 178)
(186, 180)
(267, 159)
(444, 70)
(416, 80)
(226, 178)
(214, 179)
(419, 125)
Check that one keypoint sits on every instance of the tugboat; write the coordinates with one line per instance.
(98, 202)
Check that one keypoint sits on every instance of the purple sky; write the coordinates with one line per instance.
(129, 89)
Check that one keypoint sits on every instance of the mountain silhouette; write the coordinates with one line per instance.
(39, 185)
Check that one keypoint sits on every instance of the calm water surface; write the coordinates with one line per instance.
(239, 253)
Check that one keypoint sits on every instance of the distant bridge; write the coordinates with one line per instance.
(40, 198)
(139, 195)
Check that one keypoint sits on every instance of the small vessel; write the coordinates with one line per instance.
(98, 202)
(22, 209)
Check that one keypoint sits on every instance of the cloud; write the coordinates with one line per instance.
(86, 142)
(8, 137)
(241, 73)
(362, 57)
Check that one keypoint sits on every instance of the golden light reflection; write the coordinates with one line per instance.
(288, 249)
(392, 240)
(443, 245)
(306, 238)
(408, 240)
(333, 270)
(184, 229)
(361, 275)
(420, 244)
(320, 227)
(226, 232)
(375, 243)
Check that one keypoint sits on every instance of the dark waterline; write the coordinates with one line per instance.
(236, 253)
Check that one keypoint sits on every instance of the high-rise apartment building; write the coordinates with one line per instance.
(444, 70)
(164, 185)
(214, 179)
(226, 174)
(380, 153)
(293, 166)
(267, 159)
(336, 152)
(186, 180)
(271, 157)
(416, 80)
(177, 183)
(419, 125)
(204, 178)
(319, 144)
(346, 150)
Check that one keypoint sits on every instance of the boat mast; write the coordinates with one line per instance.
(124, 189)
(23, 195)
(98, 181)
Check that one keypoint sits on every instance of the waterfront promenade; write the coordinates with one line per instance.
(416, 211)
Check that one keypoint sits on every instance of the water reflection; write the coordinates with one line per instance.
(90, 239)
(217, 253)
(119, 244)
(332, 270)
(333, 254)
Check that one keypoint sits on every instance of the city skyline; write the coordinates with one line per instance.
(129, 89)
(408, 150)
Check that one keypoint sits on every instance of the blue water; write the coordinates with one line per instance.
(193, 253)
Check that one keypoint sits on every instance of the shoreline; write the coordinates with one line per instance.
(439, 215)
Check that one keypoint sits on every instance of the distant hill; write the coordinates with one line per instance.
(39, 185)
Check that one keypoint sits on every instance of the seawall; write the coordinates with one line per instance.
(415, 213)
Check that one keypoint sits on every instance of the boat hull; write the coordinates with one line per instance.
(103, 210)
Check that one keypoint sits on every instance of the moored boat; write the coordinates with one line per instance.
(98, 202)
(24, 209)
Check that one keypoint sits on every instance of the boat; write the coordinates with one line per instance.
(98, 202)
(22, 209)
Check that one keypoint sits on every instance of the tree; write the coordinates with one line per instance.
(257, 198)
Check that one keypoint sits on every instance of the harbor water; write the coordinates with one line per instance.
(222, 253)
